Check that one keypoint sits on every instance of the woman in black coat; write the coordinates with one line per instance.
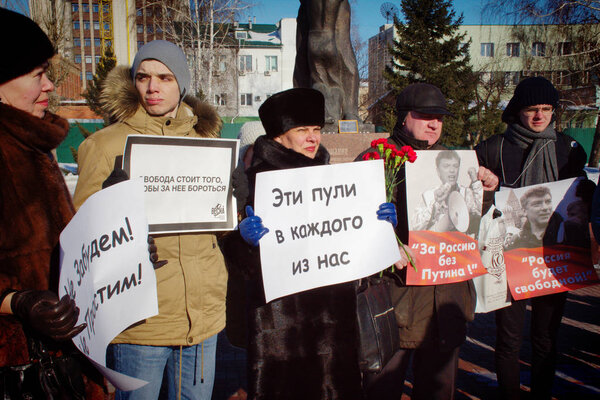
(305, 345)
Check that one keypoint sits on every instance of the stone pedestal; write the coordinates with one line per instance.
(345, 147)
(362, 128)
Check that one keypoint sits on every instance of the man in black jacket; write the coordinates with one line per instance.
(432, 319)
(530, 152)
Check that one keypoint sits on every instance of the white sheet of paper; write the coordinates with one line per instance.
(492, 287)
(186, 181)
(106, 269)
(358, 244)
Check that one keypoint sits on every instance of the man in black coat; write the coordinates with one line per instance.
(530, 152)
(432, 319)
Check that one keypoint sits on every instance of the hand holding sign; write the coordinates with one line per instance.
(42, 310)
(251, 228)
(387, 212)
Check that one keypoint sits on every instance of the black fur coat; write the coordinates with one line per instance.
(303, 346)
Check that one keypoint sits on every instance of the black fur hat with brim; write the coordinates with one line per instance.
(24, 47)
(290, 109)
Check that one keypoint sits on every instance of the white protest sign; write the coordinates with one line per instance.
(105, 268)
(186, 181)
(323, 226)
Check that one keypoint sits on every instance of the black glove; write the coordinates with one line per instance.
(42, 311)
(117, 175)
(153, 250)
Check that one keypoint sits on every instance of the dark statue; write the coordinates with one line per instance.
(325, 59)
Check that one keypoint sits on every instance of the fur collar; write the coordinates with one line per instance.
(119, 100)
(43, 134)
(272, 153)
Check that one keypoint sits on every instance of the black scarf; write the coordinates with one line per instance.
(540, 165)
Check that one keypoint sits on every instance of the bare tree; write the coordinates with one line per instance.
(50, 15)
(572, 54)
(203, 28)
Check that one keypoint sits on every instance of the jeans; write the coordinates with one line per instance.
(434, 374)
(197, 369)
(546, 314)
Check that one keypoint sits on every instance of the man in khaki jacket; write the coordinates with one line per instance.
(149, 99)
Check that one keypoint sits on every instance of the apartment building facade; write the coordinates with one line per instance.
(505, 54)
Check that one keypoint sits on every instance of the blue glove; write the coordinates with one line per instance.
(387, 212)
(251, 227)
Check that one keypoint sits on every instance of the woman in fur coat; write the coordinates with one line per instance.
(305, 345)
(35, 205)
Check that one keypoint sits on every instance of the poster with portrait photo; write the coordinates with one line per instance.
(444, 201)
(547, 240)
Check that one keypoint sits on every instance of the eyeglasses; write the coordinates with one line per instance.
(531, 111)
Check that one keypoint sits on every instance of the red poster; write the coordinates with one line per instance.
(545, 270)
(443, 257)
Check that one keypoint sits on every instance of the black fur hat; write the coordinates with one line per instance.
(290, 109)
(25, 46)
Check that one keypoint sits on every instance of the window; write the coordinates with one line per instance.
(86, 25)
(220, 99)
(241, 35)
(78, 58)
(88, 59)
(97, 59)
(95, 7)
(85, 7)
(76, 25)
(97, 42)
(74, 7)
(487, 49)
(512, 78)
(513, 49)
(563, 78)
(159, 29)
(246, 99)
(140, 28)
(580, 78)
(96, 25)
(485, 77)
(246, 63)
(565, 48)
(140, 44)
(108, 43)
(222, 64)
(77, 42)
(89, 76)
(270, 63)
(106, 26)
(87, 42)
(138, 12)
(150, 29)
(148, 12)
(538, 49)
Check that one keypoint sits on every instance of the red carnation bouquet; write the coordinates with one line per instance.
(393, 160)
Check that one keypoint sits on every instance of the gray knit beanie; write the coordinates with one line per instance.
(168, 54)
(249, 132)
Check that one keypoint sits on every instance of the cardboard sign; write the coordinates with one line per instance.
(105, 268)
(186, 181)
(444, 207)
(323, 226)
(547, 243)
